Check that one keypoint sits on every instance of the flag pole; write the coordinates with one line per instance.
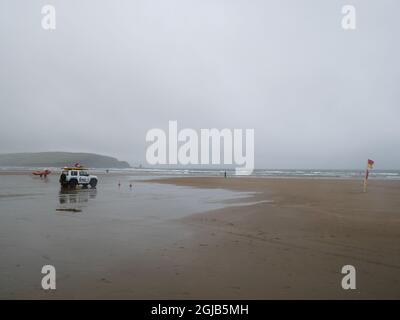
(370, 165)
(366, 178)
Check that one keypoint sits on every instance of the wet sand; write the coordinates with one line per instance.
(295, 246)
(260, 239)
(104, 243)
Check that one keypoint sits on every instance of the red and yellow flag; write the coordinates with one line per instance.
(370, 164)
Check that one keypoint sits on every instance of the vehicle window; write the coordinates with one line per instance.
(83, 173)
(74, 173)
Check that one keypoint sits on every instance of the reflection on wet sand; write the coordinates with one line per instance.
(44, 179)
(75, 200)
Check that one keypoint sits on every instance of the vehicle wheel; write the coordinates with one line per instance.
(62, 179)
(73, 184)
(93, 183)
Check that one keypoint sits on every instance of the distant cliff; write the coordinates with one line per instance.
(60, 159)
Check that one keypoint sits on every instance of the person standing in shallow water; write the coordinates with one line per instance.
(225, 174)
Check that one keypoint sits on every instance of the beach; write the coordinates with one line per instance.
(295, 246)
(200, 238)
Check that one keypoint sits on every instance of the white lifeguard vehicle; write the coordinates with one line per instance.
(71, 177)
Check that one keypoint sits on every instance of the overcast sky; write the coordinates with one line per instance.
(316, 95)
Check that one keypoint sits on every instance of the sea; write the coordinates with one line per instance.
(273, 173)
